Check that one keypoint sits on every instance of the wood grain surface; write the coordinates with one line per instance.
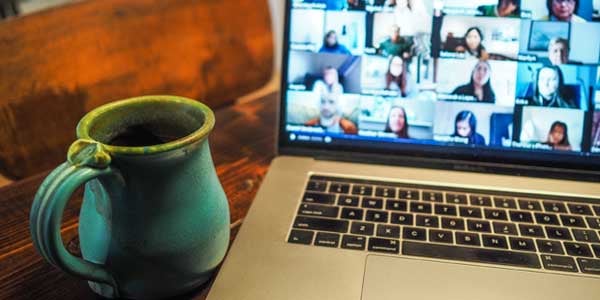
(242, 146)
(60, 63)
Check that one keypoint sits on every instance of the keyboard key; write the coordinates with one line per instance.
(521, 216)
(593, 222)
(554, 207)
(428, 221)
(384, 246)
(587, 236)
(580, 209)
(374, 203)
(479, 200)
(397, 205)
(559, 263)
(324, 239)
(558, 233)
(418, 207)
(362, 190)
(546, 219)
(589, 266)
(505, 202)
(318, 198)
(362, 228)
(388, 231)
(471, 212)
(522, 244)
(316, 186)
(530, 205)
(445, 210)
(348, 201)
(476, 255)
(452, 198)
(453, 223)
(572, 221)
(494, 241)
(386, 192)
(411, 233)
(433, 196)
(321, 224)
(495, 214)
(578, 249)
(441, 236)
(301, 237)
(377, 216)
(531, 230)
(354, 242)
(352, 213)
(402, 219)
(409, 194)
(596, 249)
(318, 210)
(469, 239)
(548, 246)
(340, 188)
(596, 209)
(505, 228)
(478, 226)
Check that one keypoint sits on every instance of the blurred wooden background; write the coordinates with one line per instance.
(58, 64)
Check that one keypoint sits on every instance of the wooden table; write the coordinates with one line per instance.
(242, 148)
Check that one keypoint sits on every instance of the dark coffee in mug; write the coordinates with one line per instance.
(143, 135)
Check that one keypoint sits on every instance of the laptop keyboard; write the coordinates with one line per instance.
(527, 231)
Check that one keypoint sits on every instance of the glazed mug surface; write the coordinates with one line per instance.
(154, 222)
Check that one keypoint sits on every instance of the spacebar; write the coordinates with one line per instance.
(477, 255)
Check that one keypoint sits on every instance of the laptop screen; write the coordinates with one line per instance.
(503, 78)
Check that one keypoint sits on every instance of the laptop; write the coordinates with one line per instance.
(430, 150)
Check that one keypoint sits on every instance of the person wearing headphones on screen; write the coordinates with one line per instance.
(563, 11)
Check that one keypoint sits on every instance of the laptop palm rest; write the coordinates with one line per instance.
(404, 278)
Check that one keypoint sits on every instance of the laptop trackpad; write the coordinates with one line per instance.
(405, 278)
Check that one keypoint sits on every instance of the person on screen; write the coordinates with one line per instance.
(472, 44)
(331, 44)
(480, 86)
(330, 85)
(558, 137)
(331, 119)
(395, 45)
(411, 16)
(397, 122)
(504, 8)
(550, 89)
(563, 11)
(465, 126)
(558, 51)
(397, 77)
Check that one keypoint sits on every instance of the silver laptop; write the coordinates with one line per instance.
(430, 150)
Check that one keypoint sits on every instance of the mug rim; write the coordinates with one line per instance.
(83, 128)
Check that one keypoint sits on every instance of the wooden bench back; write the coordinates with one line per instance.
(59, 64)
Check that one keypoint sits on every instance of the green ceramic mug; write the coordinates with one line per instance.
(154, 222)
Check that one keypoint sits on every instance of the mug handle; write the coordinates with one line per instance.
(87, 160)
